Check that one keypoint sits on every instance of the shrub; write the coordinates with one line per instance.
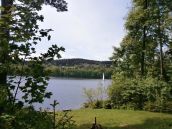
(28, 118)
(108, 104)
(134, 93)
(94, 97)
(94, 104)
(65, 121)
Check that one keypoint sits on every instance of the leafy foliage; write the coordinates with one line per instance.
(26, 118)
(65, 121)
(95, 97)
(20, 32)
(150, 25)
(149, 94)
(142, 67)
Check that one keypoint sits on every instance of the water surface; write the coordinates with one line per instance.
(69, 92)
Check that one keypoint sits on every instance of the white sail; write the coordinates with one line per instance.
(103, 77)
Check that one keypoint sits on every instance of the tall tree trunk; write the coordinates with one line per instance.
(3, 73)
(162, 74)
(143, 45)
(4, 41)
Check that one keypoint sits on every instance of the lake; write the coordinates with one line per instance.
(69, 92)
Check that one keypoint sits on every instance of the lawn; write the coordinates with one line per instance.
(122, 119)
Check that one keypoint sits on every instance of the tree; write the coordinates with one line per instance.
(148, 28)
(142, 63)
(8, 7)
(20, 32)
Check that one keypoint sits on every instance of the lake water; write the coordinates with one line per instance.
(69, 92)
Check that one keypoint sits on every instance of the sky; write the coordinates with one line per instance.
(89, 29)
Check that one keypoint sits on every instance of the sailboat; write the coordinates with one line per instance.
(103, 76)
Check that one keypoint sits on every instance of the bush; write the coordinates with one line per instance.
(98, 104)
(157, 107)
(94, 97)
(108, 104)
(64, 121)
(94, 104)
(28, 118)
(149, 94)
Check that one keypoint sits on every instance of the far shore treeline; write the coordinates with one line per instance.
(79, 68)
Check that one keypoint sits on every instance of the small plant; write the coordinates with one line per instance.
(62, 120)
(65, 121)
(95, 97)
(54, 113)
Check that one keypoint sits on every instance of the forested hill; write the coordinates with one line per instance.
(79, 61)
(80, 68)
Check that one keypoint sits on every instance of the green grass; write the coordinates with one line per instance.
(122, 119)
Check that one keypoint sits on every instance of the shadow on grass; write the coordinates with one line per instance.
(154, 123)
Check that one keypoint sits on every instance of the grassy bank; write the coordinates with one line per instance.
(122, 119)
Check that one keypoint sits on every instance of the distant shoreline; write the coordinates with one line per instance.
(72, 78)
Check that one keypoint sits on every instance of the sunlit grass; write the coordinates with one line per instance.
(122, 119)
